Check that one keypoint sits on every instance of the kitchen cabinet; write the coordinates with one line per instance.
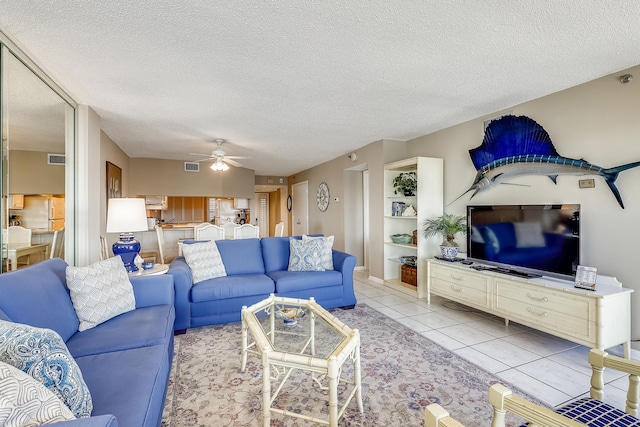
(428, 203)
(16, 201)
(185, 209)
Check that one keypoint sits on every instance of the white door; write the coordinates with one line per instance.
(300, 210)
(263, 213)
(365, 219)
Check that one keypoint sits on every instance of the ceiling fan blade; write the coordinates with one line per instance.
(200, 154)
(202, 160)
(237, 157)
(232, 162)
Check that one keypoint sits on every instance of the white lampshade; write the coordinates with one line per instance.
(126, 215)
(219, 165)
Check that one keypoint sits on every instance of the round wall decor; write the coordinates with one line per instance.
(322, 196)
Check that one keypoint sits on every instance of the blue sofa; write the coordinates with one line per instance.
(256, 268)
(125, 361)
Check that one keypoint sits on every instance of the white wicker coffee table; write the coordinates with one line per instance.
(318, 343)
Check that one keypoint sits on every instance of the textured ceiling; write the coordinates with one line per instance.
(296, 83)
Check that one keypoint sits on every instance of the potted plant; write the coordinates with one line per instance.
(406, 183)
(448, 225)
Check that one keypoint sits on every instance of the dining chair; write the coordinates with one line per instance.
(279, 229)
(19, 236)
(246, 231)
(104, 248)
(207, 231)
(57, 244)
(163, 259)
(229, 228)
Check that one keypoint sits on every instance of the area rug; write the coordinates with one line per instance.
(402, 373)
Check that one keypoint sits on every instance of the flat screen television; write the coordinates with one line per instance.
(525, 240)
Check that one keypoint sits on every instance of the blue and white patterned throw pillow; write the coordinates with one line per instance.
(100, 291)
(305, 255)
(26, 402)
(204, 260)
(327, 252)
(43, 355)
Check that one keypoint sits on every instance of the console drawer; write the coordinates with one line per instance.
(461, 278)
(559, 322)
(460, 292)
(547, 299)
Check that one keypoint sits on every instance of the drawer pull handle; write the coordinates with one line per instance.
(543, 314)
(458, 278)
(454, 289)
(543, 299)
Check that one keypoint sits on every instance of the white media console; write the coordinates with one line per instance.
(598, 319)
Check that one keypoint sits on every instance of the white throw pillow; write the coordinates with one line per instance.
(204, 260)
(100, 291)
(26, 402)
(305, 255)
(529, 235)
(327, 254)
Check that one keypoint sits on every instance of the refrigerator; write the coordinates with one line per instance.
(43, 213)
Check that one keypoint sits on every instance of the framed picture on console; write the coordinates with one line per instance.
(114, 181)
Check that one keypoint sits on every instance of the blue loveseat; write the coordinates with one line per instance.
(125, 361)
(256, 268)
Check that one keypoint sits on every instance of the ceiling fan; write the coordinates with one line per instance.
(220, 157)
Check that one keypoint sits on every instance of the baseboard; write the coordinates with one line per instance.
(376, 280)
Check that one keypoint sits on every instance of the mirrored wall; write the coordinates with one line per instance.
(37, 134)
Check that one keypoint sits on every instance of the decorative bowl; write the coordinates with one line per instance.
(290, 315)
(401, 238)
(148, 265)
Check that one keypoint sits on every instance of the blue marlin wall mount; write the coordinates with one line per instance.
(515, 146)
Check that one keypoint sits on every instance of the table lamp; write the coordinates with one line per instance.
(125, 216)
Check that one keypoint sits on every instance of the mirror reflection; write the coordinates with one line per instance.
(33, 166)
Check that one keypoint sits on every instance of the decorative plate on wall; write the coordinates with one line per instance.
(322, 196)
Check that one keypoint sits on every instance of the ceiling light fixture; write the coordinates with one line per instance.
(219, 165)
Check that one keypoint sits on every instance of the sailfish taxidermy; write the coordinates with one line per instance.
(514, 146)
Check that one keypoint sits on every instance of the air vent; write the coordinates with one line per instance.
(191, 167)
(55, 159)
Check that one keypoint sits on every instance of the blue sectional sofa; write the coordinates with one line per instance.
(256, 268)
(124, 361)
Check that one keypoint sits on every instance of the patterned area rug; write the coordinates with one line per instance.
(402, 372)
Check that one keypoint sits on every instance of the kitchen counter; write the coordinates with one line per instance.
(180, 225)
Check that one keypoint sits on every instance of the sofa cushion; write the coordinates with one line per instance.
(242, 256)
(204, 261)
(327, 252)
(141, 327)
(26, 402)
(290, 281)
(100, 291)
(275, 252)
(129, 384)
(595, 413)
(42, 354)
(38, 296)
(232, 287)
(305, 255)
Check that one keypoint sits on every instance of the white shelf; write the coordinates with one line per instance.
(428, 203)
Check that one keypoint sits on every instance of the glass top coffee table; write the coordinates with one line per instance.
(297, 334)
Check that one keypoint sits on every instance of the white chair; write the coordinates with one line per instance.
(246, 231)
(229, 228)
(19, 236)
(160, 234)
(104, 248)
(57, 244)
(206, 231)
(279, 229)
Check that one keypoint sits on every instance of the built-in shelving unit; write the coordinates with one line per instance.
(428, 203)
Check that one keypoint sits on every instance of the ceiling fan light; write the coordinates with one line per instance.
(219, 165)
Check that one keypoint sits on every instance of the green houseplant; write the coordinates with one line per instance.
(448, 225)
(406, 183)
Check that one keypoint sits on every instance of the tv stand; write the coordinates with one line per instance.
(598, 319)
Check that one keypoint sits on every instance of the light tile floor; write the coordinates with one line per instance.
(550, 368)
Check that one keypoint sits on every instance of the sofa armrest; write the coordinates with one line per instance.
(153, 290)
(345, 263)
(97, 421)
(182, 283)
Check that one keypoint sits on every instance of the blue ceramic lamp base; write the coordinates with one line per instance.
(128, 248)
